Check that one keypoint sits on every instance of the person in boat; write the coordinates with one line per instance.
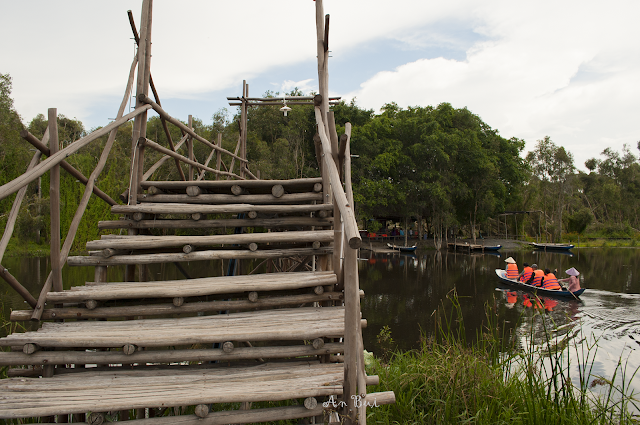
(512, 268)
(550, 281)
(572, 280)
(537, 277)
(526, 273)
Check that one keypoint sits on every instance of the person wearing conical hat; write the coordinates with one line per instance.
(512, 268)
(574, 282)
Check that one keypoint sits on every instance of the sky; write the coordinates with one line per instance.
(565, 69)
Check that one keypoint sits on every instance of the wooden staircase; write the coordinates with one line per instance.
(262, 337)
(281, 340)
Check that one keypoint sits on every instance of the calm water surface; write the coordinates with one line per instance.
(403, 292)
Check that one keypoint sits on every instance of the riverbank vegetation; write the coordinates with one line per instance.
(499, 378)
(438, 170)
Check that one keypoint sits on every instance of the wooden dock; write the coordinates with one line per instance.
(179, 351)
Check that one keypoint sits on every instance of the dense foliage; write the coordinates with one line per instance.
(438, 166)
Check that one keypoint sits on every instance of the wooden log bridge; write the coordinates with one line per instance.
(279, 333)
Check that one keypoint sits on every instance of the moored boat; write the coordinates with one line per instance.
(402, 248)
(502, 275)
(552, 246)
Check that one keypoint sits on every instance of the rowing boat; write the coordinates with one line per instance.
(402, 248)
(552, 246)
(502, 275)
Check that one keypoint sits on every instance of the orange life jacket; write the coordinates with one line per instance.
(537, 277)
(512, 271)
(526, 274)
(551, 282)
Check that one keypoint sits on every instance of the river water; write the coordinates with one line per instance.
(404, 291)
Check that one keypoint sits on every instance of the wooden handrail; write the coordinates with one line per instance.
(346, 209)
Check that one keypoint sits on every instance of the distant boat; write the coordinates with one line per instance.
(491, 248)
(402, 248)
(502, 275)
(552, 246)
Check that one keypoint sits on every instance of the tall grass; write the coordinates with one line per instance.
(498, 378)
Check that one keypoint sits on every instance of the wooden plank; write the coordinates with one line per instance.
(305, 184)
(26, 178)
(290, 198)
(170, 309)
(78, 393)
(151, 242)
(165, 356)
(283, 324)
(170, 208)
(194, 287)
(207, 224)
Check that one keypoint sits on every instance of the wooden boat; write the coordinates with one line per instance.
(491, 248)
(502, 275)
(552, 246)
(402, 248)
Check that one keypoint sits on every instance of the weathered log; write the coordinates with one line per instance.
(202, 410)
(153, 190)
(162, 160)
(310, 403)
(151, 242)
(316, 245)
(129, 349)
(378, 399)
(253, 296)
(30, 348)
(227, 347)
(167, 309)
(224, 186)
(322, 213)
(170, 208)
(318, 343)
(277, 191)
(252, 214)
(26, 178)
(178, 301)
(318, 290)
(91, 304)
(165, 356)
(197, 216)
(218, 198)
(137, 216)
(54, 202)
(317, 187)
(13, 282)
(253, 246)
(294, 221)
(193, 191)
(187, 249)
(373, 380)
(340, 198)
(95, 418)
(237, 190)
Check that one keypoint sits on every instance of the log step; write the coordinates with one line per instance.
(177, 208)
(284, 324)
(154, 242)
(216, 198)
(208, 224)
(193, 287)
(108, 391)
(227, 186)
(221, 254)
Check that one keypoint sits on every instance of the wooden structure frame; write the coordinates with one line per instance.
(312, 295)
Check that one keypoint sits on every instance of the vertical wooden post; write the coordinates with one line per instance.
(352, 325)
(142, 87)
(54, 200)
(243, 126)
(190, 147)
(219, 155)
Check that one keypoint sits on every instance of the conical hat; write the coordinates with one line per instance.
(572, 272)
(510, 260)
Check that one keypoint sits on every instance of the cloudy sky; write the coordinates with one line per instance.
(566, 69)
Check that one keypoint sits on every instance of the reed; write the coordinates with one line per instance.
(498, 378)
